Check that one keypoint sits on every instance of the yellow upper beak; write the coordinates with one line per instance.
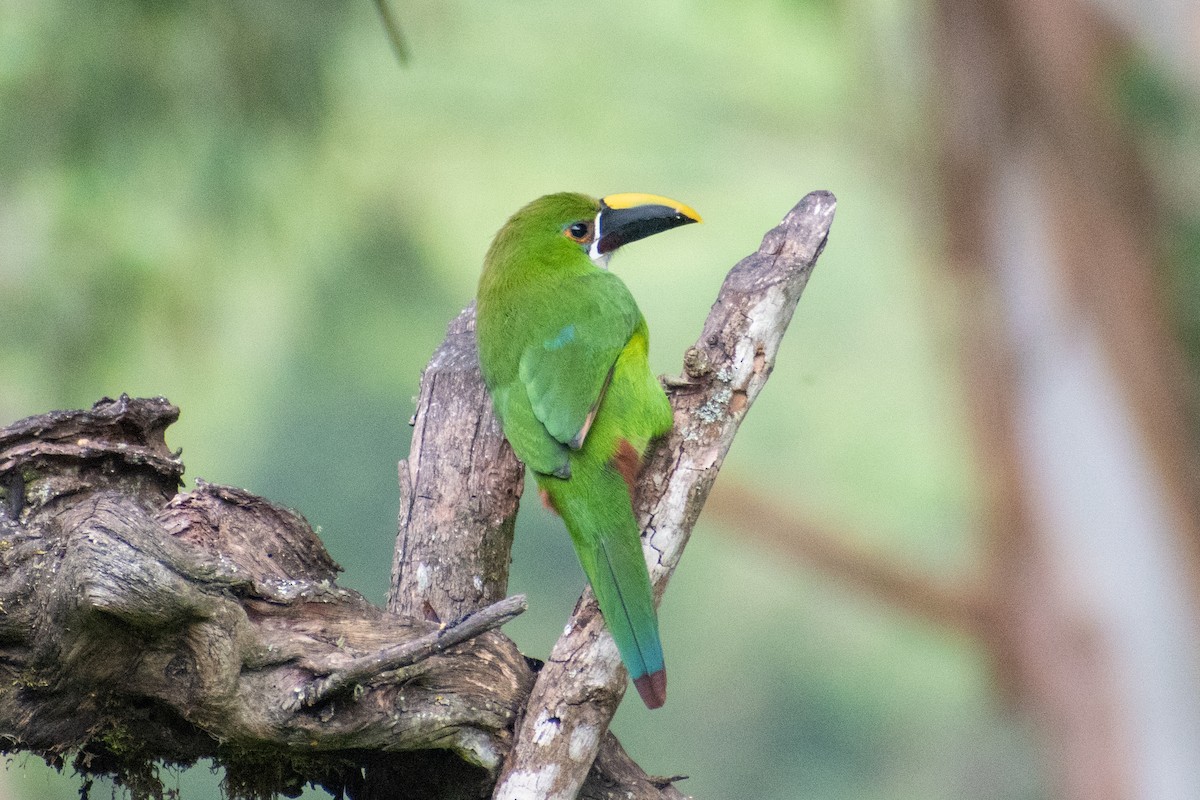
(634, 199)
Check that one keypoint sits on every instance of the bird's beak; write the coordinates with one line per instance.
(627, 217)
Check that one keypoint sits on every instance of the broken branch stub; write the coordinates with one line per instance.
(459, 489)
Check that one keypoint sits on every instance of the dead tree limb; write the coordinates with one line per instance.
(394, 658)
(459, 489)
(140, 626)
(578, 690)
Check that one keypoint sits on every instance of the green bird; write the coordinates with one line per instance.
(563, 349)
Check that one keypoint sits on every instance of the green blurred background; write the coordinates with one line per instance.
(250, 208)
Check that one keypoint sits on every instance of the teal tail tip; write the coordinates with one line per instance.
(652, 688)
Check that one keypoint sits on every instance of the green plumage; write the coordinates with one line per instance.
(563, 349)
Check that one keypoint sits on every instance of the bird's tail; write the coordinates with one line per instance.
(596, 508)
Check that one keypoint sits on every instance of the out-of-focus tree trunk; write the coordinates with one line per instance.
(1078, 397)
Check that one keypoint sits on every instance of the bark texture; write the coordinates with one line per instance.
(459, 489)
(140, 625)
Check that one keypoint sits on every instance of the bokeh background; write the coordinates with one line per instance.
(953, 551)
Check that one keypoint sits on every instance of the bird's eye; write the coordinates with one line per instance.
(579, 231)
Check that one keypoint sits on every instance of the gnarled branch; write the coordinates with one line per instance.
(139, 625)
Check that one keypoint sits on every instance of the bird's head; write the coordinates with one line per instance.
(567, 224)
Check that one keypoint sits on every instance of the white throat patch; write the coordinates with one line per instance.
(598, 258)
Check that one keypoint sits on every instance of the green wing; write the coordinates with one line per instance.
(540, 451)
(566, 372)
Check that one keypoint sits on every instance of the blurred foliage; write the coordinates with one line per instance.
(250, 208)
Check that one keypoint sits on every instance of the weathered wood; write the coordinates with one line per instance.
(459, 489)
(578, 690)
(138, 625)
(397, 657)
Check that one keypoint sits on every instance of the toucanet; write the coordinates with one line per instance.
(563, 349)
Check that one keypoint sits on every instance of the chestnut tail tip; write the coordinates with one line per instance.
(652, 688)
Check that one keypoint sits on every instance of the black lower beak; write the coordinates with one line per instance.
(620, 226)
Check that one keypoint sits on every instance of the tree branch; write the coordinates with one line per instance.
(140, 626)
(459, 489)
(578, 690)
(413, 651)
(964, 605)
